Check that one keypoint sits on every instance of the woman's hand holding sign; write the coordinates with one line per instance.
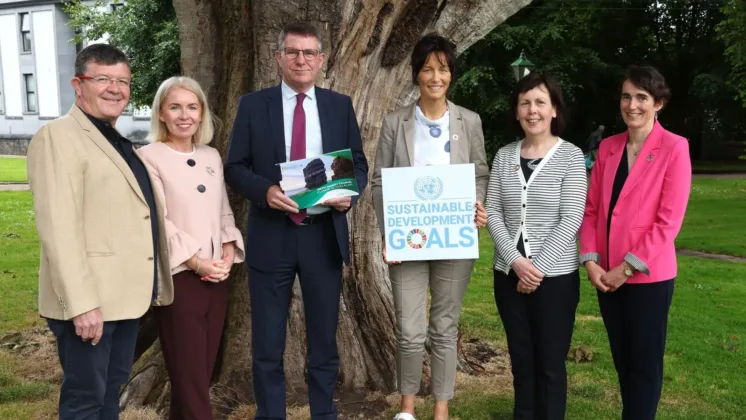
(383, 252)
(480, 215)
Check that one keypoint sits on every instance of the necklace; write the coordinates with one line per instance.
(533, 163)
(634, 152)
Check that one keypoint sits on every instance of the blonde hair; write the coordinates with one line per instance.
(158, 130)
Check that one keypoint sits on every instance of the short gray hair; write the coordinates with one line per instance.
(297, 28)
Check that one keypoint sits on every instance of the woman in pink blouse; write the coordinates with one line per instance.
(203, 241)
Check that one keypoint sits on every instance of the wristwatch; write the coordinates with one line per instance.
(628, 269)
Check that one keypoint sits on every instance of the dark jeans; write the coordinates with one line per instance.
(94, 374)
(636, 317)
(311, 252)
(539, 329)
(190, 331)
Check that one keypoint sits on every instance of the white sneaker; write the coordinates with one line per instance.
(404, 416)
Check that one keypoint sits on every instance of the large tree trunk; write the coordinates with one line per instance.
(228, 46)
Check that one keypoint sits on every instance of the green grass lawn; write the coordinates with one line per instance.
(705, 362)
(13, 169)
(716, 217)
(705, 372)
(19, 253)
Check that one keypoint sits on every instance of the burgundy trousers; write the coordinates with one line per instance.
(190, 330)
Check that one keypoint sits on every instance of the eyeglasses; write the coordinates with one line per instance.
(103, 80)
(292, 53)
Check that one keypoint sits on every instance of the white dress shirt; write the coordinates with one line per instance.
(314, 147)
(429, 149)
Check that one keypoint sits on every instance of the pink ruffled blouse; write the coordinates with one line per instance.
(199, 219)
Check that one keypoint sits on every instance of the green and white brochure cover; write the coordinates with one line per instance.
(312, 181)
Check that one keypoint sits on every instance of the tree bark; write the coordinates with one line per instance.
(228, 46)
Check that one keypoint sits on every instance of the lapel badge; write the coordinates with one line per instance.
(650, 157)
(455, 137)
(516, 168)
(210, 171)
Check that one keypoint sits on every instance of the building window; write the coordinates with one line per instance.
(30, 83)
(25, 32)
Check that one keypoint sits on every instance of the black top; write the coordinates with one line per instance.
(124, 147)
(620, 178)
(528, 166)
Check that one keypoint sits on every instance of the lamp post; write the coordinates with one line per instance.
(522, 67)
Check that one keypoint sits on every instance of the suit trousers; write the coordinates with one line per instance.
(447, 281)
(312, 253)
(636, 319)
(539, 329)
(190, 330)
(92, 375)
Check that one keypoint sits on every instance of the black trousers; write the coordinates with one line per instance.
(93, 374)
(539, 328)
(636, 317)
(313, 254)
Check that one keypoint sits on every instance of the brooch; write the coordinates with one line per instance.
(516, 168)
(210, 170)
(650, 157)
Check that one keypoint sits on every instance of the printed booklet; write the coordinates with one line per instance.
(312, 181)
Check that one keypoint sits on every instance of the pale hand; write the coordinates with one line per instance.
(277, 200)
(526, 272)
(480, 215)
(383, 253)
(525, 288)
(339, 203)
(229, 255)
(614, 278)
(90, 325)
(595, 272)
(209, 270)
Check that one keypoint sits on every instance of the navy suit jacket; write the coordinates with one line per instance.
(256, 147)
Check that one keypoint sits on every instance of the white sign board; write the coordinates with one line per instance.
(429, 213)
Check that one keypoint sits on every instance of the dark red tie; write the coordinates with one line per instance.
(298, 145)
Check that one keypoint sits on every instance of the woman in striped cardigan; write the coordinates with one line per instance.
(535, 201)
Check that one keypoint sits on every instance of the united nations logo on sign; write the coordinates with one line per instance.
(428, 188)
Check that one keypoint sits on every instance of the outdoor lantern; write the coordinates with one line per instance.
(522, 67)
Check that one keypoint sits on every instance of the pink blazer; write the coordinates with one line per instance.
(650, 209)
(197, 221)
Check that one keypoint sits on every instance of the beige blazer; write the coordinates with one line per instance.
(396, 148)
(93, 224)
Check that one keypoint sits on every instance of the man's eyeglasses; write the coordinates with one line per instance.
(292, 53)
(103, 80)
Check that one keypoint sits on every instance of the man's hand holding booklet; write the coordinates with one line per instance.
(320, 180)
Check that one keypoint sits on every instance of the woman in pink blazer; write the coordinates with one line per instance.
(636, 203)
(203, 241)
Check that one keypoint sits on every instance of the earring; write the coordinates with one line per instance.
(656, 115)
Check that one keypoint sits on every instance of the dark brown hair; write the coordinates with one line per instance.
(105, 54)
(555, 95)
(433, 44)
(649, 79)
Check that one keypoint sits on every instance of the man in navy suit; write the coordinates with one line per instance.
(293, 121)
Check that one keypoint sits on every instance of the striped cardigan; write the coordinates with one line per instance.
(547, 208)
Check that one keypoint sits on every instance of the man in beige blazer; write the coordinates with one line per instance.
(104, 255)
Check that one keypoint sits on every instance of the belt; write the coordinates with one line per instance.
(314, 219)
